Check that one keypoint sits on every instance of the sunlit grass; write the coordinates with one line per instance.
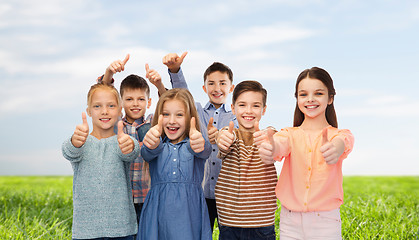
(374, 208)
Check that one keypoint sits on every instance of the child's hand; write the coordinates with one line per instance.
(126, 144)
(226, 138)
(173, 61)
(152, 137)
(195, 138)
(330, 152)
(153, 76)
(117, 66)
(212, 131)
(80, 134)
(258, 136)
(267, 147)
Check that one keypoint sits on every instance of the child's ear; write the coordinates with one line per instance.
(231, 88)
(331, 98)
(205, 89)
(264, 110)
(232, 109)
(88, 111)
(149, 103)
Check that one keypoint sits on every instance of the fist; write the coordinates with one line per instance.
(212, 131)
(226, 138)
(126, 144)
(80, 134)
(173, 61)
(152, 137)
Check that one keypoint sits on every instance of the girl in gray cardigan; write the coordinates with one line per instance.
(102, 197)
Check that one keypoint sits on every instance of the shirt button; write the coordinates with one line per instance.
(305, 204)
(212, 178)
(174, 172)
(174, 160)
(216, 112)
(213, 163)
(309, 168)
(174, 148)
(309, 150)
(307, 187)
(215, 122)
(213, 150)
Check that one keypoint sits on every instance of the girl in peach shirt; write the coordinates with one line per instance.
(310, 184)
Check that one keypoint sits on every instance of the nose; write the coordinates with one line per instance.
(105, 110)
(135, 102)
(171, 119)
(310, 98)
(217, 87)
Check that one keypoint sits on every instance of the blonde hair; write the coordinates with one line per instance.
(184, 96)
(101, 86)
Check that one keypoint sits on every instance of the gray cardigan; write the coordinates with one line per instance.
(102, 195)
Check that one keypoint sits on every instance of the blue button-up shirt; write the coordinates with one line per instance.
(222, 117)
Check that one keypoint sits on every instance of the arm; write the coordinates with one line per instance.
(154, 77)
(338, 147)
(70, 152)
(114, 67)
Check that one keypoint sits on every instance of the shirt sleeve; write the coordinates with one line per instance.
(177, 79)
(204, 154)
(70, 152)
(151, 154)
(348, 139)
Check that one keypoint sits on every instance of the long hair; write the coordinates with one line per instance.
(324, 77)
(101, 86)
(184, 96)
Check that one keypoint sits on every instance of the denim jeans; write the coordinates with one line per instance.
(234, 233)
(131, 237)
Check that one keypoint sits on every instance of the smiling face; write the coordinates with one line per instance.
(174, 120)
(104, 111)
(218, 86)
(248, 109)
(313, 98)
(135, 103)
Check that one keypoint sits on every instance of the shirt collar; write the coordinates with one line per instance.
(136, 122)
(225, 107)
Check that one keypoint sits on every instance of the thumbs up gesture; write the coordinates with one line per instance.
(117, 66)
(80, 134)
(173, 61)
(126, 144)
(329, 150)
(267, 147)
(258, 136)
(212, 131)
(195, 138)
(152, 137)
(226, 138)
(152, 75)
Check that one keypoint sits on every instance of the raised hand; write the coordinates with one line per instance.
(329, 151)
(226, 137)
(117, 66)
(195, 138)
(152, 75)
(173, 61)
(152, 137)
(212, 131)
(258, 136)
(267, 147)
(126, 144)
(80, 134)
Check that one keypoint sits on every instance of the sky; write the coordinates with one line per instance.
(52, 51)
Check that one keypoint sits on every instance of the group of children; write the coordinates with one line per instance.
(171, 174)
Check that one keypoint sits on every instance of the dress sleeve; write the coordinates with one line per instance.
(70, 152)
(151, 154)
(204, 154)
(178, 79)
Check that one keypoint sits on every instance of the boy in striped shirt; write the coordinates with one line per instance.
(245, 190)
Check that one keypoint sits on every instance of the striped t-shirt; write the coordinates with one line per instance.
(245, 190)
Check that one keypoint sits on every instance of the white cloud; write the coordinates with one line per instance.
(260, 36)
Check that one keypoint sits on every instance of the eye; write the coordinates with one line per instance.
(112, 105)
(165, 114)
(211, 83)
(128, 99)
(319, 93)
(96, 106)
(142, 99)
(179, 114)
(302, 94)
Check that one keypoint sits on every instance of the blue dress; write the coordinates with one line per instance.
(175, 206)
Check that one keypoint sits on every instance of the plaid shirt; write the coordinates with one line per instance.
(139, 172)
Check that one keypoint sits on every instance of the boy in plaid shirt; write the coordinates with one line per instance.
(135, 94)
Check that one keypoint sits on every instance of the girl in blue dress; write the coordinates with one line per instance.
(175, 149)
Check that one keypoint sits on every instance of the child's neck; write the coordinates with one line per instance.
(101, 133)
(217, 106)
(314, 124)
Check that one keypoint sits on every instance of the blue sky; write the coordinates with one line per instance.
(52, 51)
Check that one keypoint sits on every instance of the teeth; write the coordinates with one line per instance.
(248, 118)
(311, 107)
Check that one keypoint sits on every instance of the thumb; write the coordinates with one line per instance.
(256, 126)
(160, 124)
(83, 117)
(126, 59)
(270, 132)
(120, 128)
(210, 123)
(325, 140)
(193, 125)
(230, 127)
(183, 56)
(147, 68)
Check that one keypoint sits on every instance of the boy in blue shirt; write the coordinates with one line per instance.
(218, 84)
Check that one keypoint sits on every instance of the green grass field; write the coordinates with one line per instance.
(374, 208)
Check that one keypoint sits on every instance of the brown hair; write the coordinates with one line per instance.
(249, 85)
(134, 82)
(323, 76)
(101, 86)
(218, 67)
(184, 96)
